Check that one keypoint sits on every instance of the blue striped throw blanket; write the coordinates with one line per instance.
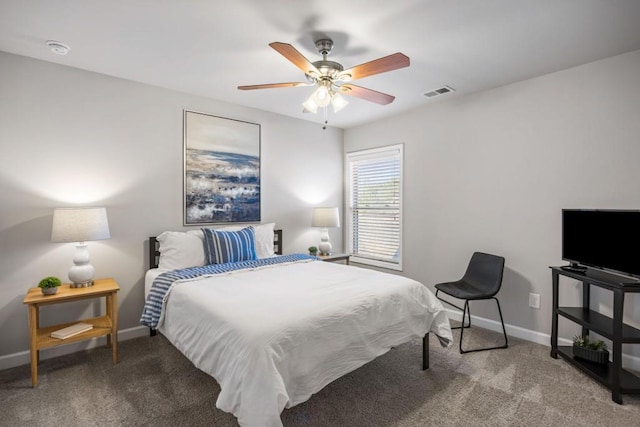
(155, 300)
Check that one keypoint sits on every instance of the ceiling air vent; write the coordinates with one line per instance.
(440, 91)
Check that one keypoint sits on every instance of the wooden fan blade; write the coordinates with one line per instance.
(292, 54)
(377, 66)
(366, 94)
(274, 85)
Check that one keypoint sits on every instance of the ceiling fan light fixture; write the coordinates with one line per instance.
(322, 96)
(310, 106)
(338, 102)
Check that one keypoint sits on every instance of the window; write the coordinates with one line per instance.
(374, 206)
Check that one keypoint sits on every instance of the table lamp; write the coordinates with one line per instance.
(325, 218)
(80, 225)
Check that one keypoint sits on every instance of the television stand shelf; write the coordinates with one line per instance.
(611, 375)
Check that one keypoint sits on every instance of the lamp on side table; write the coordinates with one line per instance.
(80, 225)
(325, 218)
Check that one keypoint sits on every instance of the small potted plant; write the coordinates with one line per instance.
(313, 250)
(593, 351)
(49, 285)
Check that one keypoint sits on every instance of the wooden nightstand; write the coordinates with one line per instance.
(104, 325)
(335, 257)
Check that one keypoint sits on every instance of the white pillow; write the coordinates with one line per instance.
(264, 240)
(186, 249)
(181, 250)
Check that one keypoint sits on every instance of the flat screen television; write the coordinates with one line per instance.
(608, 240)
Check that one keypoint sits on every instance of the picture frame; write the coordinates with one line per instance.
(221, 170)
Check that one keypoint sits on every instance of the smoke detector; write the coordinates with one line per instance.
(439, 91)
(58, 48)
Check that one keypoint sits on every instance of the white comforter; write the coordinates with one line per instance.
(274, 336)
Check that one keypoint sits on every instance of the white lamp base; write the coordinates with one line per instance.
(325, 245)
(82, 272)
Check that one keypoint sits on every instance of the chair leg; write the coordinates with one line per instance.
(464, 313)
(504, 331)
(468, 325)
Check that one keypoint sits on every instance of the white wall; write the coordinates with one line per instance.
(492, 171)
(70, 137)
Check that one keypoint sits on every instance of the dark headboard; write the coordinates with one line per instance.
(154, 252)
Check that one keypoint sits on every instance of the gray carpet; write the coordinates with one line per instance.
(155, 385)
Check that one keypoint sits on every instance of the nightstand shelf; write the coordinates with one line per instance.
(101, 327)
(106, 325)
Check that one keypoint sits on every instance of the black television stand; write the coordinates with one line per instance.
(611, 374)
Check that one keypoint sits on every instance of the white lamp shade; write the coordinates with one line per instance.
(310, 106)
(79, 224)
(338, 102)
(326, 217)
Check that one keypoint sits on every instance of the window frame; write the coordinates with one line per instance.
(385, 151)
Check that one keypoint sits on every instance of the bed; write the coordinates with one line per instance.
(275, 329)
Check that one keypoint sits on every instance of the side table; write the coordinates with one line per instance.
(41, 338)
(335, 257)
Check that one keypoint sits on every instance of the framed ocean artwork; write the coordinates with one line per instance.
(221, 170)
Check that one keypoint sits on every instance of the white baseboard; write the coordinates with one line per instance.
(628, 361)
(22, 357)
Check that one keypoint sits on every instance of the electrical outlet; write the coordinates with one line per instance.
(534, 301)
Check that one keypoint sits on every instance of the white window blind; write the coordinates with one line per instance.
(375, 206)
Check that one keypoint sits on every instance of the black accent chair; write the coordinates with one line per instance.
(481, 281)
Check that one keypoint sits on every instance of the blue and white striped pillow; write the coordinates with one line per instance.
(221, 247)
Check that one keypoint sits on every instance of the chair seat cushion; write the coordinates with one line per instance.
(463, 290)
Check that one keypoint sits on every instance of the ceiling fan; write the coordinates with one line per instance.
(331, 79)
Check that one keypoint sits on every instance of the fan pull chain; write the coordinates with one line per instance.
(325, 118)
